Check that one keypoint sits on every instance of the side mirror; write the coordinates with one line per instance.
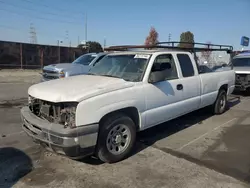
(158, 74)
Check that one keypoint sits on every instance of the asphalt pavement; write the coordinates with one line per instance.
(196, 150)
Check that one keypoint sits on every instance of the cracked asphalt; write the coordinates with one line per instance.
(196, 150)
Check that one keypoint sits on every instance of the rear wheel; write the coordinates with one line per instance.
(117, 138)
(220, 104)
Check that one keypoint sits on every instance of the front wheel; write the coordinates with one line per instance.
(117, 138)
(220, 104)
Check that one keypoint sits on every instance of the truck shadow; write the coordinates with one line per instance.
(14, 164)
(164, 130)
(242, 93)
(149, 136)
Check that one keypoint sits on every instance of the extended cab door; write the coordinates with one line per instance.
(163, 98)
(190, 81)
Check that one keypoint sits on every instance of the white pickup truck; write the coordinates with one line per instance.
(126, 92)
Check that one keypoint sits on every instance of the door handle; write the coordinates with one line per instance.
(179, 87)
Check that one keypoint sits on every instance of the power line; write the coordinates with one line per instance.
(8, 27)
(30, 9)
(38, 17)
(48, 34)
(40, 4)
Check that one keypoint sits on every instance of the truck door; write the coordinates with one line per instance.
(163, 98)
(190, 82)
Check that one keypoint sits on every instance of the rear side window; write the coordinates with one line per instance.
(99, 58)
(187, 68)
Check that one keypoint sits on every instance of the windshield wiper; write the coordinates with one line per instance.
(108, 75)
(91, 73)
(114, 77)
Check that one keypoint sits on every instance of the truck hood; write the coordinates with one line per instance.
(242, 70)
(76, 88)
(63, 66)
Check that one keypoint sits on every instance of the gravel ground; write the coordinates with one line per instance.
(148, 168)
(19, 76)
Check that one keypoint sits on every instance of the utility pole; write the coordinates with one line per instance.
(41, 56)
(169, 38)
(104, 42)
(86, 28)
(78, 40)
(33, 38)
(59, 50)
(67, 36)
(21, 55)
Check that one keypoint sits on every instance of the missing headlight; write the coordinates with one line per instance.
(67, 117)
(60, 113)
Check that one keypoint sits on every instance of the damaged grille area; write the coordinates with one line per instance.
(50, 71)
(50, 74)
(240, 78)
(61, 113)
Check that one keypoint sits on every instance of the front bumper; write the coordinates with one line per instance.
(242, 82)
(75, 143)
(242, 87)
(43, 79)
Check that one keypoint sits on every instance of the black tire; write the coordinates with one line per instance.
(247, 92)
(102, 151)
(218, 107)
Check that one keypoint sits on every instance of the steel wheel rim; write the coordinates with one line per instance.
(222, 103)
(118, 139)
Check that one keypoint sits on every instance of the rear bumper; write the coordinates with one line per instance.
(75, 143)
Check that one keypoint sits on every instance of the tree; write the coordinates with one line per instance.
(187, 36)
(152, 38)
(206, 55)
(92, 46)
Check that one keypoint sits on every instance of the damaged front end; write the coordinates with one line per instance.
(60, 113)
(242, 82)
(53, 125)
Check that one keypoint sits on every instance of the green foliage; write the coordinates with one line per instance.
(92, 46)
(207, 53)
(187, 37)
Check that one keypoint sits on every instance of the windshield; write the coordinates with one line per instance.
(129, 67)
(241, 62)
(85, 59)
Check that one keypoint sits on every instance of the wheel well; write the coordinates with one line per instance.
(224, 87)
(132, 112)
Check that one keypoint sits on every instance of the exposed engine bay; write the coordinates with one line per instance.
(61, 113)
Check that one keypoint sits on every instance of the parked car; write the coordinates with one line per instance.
(80, 66)
(126, 92)
(241, 64)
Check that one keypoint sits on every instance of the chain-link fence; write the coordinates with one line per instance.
(33, 56)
